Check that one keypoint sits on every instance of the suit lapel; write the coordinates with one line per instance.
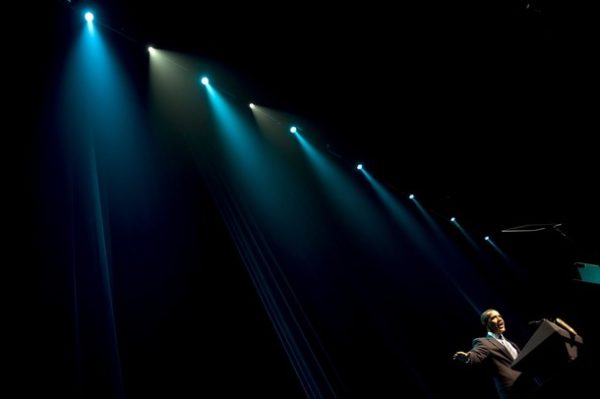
(501, 347)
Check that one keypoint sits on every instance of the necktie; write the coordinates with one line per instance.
(511, 349)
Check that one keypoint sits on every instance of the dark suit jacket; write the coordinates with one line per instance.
(492, 355)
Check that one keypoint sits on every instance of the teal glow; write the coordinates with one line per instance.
(444, 241)
(441, 250)
(259, 175)
(431, 224)
(589, 272)
(100, 123)
(258, 199)
(354, 207)
(467, 236)
(400, 215)
(500, 252)
(89, 18)
(102, 110)
(239, 137)
(478, 249)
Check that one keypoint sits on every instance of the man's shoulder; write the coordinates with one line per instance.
(481, 341)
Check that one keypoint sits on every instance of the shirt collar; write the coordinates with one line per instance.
(493, 335)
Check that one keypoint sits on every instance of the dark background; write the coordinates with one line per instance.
(484, 111)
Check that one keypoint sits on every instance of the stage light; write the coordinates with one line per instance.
(151, 49)
(412, 196)
(204, 81)
(359, 166)
(453, 219)
(293, 129)
(487, 238)
(89, 17)
(251, 105)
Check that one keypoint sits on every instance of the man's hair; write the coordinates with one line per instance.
(485, 316)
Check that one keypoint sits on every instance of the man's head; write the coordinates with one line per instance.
(493, 321)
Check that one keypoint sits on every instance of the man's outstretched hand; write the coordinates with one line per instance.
(462, 357)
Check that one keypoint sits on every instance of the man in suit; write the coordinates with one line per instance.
(495, 354)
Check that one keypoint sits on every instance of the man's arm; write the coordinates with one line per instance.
(479, 352)
(476, 355)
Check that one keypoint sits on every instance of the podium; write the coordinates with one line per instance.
(548, 351)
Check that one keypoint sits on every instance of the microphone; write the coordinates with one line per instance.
(564, 325)
(535, 322)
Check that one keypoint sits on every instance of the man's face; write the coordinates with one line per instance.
(495, 323)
